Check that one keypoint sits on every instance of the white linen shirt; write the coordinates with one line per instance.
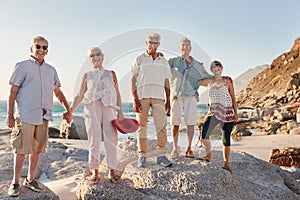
(36, 84)
(151, 76)
(100, 85)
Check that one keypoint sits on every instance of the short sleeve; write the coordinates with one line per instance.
(56, 79)
(18, 76)
(135, 67)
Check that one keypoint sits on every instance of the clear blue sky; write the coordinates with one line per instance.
(241, 34)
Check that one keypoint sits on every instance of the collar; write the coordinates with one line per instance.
(192, 60)
(35, 61)
(148, 55)
(97, 69)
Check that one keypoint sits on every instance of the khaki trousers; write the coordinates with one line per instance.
(160, 122)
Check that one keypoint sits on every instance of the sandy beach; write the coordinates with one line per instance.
(258, 145)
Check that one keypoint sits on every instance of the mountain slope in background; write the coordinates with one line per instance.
(242, 81)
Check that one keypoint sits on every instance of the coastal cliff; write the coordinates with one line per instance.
(277, 85)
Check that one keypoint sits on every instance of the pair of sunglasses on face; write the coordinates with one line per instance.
(153, 42)
(217, 65)
(96, 54)
(37, 46)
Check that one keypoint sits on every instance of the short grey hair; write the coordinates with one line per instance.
(185, 39)
(153, 35)
(38, 38)
(94, 48)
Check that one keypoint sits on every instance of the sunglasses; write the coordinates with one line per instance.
(217, 65)
(37, 46)
(153, 42)
(96, 54)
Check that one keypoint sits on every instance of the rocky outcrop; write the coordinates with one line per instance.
(277, 85)
(286, 157)
(193, 179)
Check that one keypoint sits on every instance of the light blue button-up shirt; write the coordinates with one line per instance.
(185, 80)
(36, 84)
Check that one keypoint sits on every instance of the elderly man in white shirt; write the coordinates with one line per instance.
(150, 81)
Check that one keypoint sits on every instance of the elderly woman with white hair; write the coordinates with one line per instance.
(100, 92)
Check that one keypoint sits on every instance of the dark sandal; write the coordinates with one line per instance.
(94, 180)
(227, 169)
(204, 159)
(189, 154)
(114, 179)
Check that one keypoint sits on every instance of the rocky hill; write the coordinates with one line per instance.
(274, 95)
(278, 84)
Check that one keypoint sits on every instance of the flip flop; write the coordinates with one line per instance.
(174, 155)
(227, 169)
(94, 180)
(204, 159)
(189, 154)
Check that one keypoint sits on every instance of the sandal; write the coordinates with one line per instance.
(227, 169)
(174, 155)
(189, 154)
(114, 179)
(204, 159)
(94, 180)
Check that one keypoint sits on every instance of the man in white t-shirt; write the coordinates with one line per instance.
(150, 86)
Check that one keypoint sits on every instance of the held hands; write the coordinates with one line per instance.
(68, 116)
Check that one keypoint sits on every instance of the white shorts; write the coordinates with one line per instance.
(186, 106)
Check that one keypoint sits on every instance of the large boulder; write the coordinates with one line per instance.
(287, 157)
(74, 131)
(193, 179)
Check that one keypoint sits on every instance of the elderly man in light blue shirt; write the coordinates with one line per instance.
(186, 78)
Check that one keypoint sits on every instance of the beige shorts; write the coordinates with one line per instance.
(186, 106)
(29, 138)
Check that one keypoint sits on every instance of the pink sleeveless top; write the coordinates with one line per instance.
(221, 103)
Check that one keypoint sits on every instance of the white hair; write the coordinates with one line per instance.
(153, 35)
(185, 39)
(94, 48)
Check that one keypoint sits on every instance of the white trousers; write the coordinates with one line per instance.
(97, 121)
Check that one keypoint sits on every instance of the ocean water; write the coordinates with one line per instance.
(128, 112)
(58, 110)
